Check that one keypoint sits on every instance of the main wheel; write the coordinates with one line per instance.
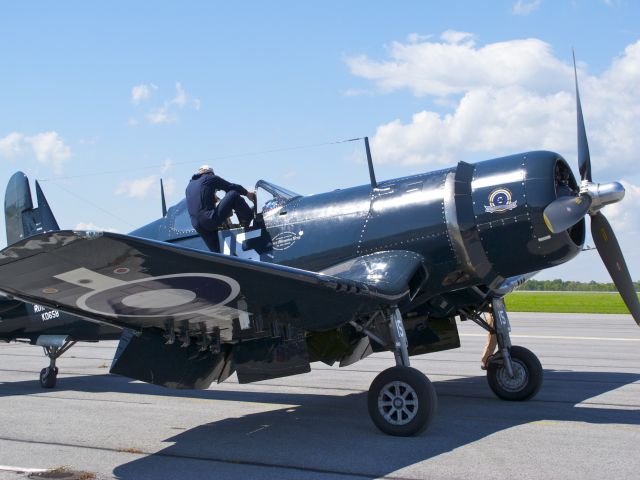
(402, 401)
(48, 377)
(527, 375)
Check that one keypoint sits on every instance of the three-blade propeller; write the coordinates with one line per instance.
(564, 212)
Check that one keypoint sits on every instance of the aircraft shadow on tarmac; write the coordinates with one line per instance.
(328, 434)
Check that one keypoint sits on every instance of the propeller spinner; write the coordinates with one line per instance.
(566, 211)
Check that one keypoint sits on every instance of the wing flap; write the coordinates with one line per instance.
(149, 358)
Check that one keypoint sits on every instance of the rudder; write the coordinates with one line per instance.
(21, 218)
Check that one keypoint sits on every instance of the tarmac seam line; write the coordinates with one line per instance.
(212, 459)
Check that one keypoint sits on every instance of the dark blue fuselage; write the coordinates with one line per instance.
(474, 224)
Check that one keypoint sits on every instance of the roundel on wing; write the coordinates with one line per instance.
(168, 295)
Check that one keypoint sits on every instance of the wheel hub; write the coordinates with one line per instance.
(398, 403)
(519, 380)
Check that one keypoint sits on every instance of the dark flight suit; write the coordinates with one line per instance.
(206, 217)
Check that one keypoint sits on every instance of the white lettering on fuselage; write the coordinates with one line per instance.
(46, 313)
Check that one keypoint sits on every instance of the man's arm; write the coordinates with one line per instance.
(221, 184)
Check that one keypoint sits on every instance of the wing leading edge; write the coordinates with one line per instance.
(134, 282)
(199, 316)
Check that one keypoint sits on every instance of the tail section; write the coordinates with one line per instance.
(21, 218)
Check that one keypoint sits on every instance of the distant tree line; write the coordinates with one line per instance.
(558, 285)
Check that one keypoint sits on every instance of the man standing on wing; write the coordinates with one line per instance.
(206, 216)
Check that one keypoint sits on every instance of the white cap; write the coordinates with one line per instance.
(204, 169)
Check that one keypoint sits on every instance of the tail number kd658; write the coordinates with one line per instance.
(45, 313)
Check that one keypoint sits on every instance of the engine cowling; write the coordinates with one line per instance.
(498, 229)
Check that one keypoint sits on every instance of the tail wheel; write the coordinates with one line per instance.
(402, 401)
(527, 375)
(48, 377)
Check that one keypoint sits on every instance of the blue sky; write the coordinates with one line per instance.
(99, 101)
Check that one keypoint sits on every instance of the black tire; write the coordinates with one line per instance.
(48, 377)
(527, 371)
(413, 389)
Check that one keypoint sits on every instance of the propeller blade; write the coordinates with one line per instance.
(584, 160)
(564, 212)
(611, 255)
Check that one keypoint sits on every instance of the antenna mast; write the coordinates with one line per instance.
(372, 174)
(164, 202)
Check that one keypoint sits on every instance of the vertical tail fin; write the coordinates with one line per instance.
(21, 218)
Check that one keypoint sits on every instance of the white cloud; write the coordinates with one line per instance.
(143, 187)
(143, 92)
(455, 66)
(624, 216)
(167, 113)
(50, 149)
(160, 115)
(181, 97)
(169, 186)
(166, 165)
(485, 121)
(522, 7)
(93, 226)
(138, 188)
(416, 37)
(12, 145)
(511, 96)
(454, 37)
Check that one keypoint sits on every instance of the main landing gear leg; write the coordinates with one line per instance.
(514, 373)
(401, 399)
(54, 346)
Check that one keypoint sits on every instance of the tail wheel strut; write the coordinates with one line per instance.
(49, 375)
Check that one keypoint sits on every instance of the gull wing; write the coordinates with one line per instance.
(137, 283)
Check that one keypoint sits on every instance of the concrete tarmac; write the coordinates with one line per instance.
(584, 423)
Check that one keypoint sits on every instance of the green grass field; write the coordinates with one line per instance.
(565, 302)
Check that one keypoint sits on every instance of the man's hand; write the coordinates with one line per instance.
(251, 196)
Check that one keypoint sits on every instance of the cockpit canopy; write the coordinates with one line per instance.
(279, 195)
(277, 191)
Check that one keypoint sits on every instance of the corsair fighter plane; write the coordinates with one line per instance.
(333, 277)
